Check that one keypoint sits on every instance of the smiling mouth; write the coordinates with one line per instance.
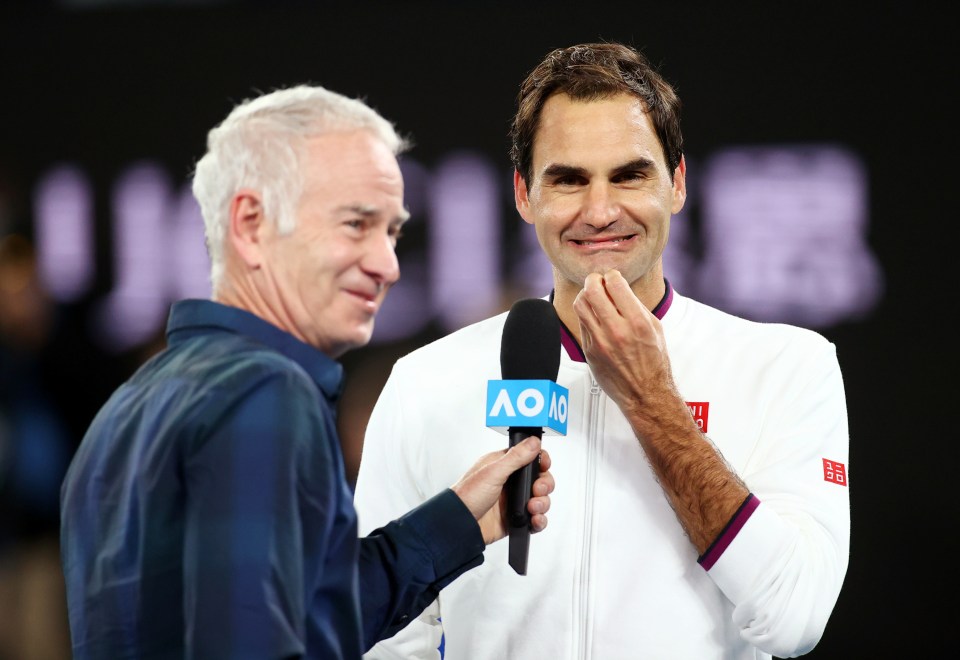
(608, 241)
(366, 300)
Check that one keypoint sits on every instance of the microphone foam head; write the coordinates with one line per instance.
(530, 347)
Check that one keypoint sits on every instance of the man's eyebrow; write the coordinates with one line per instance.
(639, 164)
(368, 211)
(559, 170)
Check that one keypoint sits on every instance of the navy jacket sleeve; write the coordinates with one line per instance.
(270, 553)
(405, 564)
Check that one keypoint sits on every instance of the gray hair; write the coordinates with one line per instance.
(261, 144)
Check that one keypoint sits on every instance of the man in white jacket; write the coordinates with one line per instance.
(704, 511)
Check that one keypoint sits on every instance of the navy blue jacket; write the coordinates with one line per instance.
(206, 513)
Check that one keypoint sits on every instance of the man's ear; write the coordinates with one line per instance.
(246, 225)
(679, 186)
(521, 196)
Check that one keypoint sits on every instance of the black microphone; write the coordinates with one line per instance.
(529, 350)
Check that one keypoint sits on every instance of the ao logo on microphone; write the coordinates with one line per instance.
(527, 403)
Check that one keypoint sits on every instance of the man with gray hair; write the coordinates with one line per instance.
(206, 513)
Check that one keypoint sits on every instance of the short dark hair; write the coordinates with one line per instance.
(592, 71)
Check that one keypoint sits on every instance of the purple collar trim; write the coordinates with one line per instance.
(573, 349)
(570, 344)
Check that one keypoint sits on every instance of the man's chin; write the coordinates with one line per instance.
(626, 268)
(360, 338)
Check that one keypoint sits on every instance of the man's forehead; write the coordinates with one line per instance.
(613, 129)
(563, 107)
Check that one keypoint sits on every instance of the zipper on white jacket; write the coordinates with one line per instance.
(582, 617)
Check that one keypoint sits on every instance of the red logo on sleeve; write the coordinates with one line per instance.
(834, 472)
(699, 410)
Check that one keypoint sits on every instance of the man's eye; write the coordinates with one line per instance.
(627, 176)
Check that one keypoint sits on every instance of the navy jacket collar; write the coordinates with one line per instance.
(187, 317)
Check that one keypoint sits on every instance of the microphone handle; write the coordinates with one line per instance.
(519, 489)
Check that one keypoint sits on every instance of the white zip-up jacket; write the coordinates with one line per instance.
(613, 575)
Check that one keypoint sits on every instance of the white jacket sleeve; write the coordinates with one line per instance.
(784, 569)
(386, 489)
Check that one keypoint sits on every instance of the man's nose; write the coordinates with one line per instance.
(601, 206)
(380, 261)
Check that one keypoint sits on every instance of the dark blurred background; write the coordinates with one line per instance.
(820, 140)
